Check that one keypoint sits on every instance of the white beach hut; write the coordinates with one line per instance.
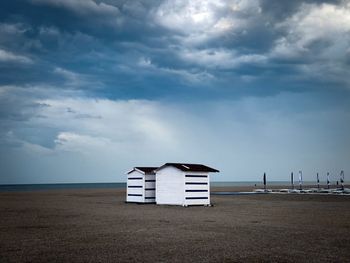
(141, 185)
(183, 184)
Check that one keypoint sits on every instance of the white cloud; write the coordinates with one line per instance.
(49, 31)
(318, 37)
(82, 7)
(117, 120)
(7, 56)
(188, 75)
(144, 62)
(73, 79)
(186, 16)
(14, 29)
(220, 58)
(325, 24)
(77, 80)
(195, 77)
(70, 141)
(199, 21)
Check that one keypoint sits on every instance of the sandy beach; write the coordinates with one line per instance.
(96, 225)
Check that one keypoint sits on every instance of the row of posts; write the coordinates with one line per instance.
(342, 178)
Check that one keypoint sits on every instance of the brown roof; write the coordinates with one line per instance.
(191, 167)
(146, 170)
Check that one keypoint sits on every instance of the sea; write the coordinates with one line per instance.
(40, 187)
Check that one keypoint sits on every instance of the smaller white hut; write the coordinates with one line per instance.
(183, 184)
(141, 185)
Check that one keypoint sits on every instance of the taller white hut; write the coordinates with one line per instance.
(183, 184)
(141, 185)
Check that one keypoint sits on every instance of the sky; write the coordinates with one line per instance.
(90, 89)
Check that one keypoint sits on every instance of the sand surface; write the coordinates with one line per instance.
(97, 226)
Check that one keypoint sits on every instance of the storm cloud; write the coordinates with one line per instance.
(106, 85)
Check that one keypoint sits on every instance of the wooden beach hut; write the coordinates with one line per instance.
(141, 185)
(183, 184)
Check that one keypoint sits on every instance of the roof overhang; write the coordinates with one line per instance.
(143, 170)
(187, 167)
(135, 169)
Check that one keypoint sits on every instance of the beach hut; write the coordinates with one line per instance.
(141, 185)
(183, 184)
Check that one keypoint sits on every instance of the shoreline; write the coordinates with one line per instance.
(215, 186)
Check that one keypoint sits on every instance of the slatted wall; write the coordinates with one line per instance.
(135, 187)
(150, 188)
(197, 189)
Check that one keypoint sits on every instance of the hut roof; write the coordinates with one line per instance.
(190, 167)
(145, 170)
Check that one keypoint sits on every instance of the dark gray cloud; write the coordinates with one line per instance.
(183, 42)
(123, 49)
(280, 10)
